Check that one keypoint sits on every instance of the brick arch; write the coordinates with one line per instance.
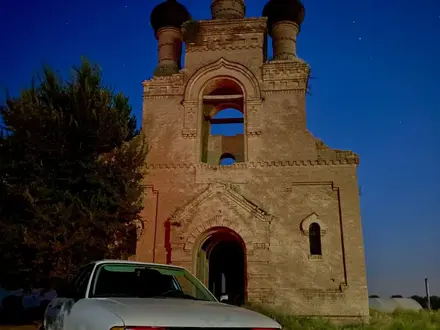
(313, 218)
(227, 70)
(196, 237)
(221, 233)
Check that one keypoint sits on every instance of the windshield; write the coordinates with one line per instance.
(146, 281)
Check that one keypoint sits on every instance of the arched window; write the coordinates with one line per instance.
(227, 159)
(315, 239)
(223, 122)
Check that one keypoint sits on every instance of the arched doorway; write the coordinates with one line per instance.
(221, 264)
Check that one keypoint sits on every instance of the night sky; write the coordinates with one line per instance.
(376, 91)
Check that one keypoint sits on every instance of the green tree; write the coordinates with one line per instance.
(71, 173)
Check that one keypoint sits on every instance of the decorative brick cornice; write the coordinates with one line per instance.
(189, 133)
(254, 133)
(279, 90)
(240, 166)
(167, 86)
(212, 44)
(228, 35)
(285, 76)
(243, 26)
(285, 69)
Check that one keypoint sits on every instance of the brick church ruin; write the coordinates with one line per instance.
(238, 191)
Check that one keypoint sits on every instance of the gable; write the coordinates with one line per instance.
(222, 195)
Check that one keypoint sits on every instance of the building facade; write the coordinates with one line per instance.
(281, 225)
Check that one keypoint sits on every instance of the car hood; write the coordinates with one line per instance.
(171, 312)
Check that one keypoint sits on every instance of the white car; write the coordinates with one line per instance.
(126, 295)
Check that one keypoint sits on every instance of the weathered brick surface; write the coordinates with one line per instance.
(288, 179)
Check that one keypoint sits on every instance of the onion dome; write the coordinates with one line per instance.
(170, 13)
(284, 10)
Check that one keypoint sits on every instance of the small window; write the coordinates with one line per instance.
(315, 239)
(227, 159)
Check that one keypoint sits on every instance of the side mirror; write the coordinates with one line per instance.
(224, 298)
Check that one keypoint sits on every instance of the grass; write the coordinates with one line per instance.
(400, 320)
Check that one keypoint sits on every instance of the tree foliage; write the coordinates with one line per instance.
(71, 169)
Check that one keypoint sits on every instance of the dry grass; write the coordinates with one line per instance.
(423, 320)
(400, 320)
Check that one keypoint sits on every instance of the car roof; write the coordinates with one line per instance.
(132, 262)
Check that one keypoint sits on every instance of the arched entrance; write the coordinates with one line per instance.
(221, 264)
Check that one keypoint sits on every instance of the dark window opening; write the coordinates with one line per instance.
(315, 239)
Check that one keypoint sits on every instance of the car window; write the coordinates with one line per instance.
(83, 281)
(74, 280)
(69, 289)
(77, 286)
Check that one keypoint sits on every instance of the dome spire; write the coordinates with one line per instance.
(284, 18)
(228, 9)
(167, 19)
(284, 10)
(169, 13)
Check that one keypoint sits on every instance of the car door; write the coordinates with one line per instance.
(60, 307)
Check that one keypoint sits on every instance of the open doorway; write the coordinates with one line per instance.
(222, 265)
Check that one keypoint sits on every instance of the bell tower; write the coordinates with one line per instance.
(233, 172)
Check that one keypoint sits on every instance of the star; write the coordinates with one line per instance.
(360, 38)
(354, 22)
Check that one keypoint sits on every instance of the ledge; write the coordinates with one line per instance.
(247, 165)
